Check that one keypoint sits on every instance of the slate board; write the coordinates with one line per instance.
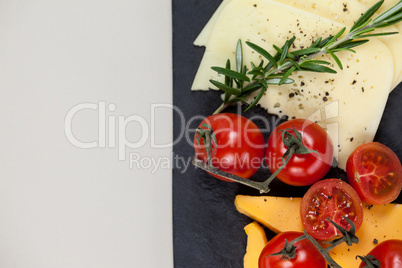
(207, 229)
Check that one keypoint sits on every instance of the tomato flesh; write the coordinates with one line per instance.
(330, 199)
(306, 254)
(375, 172)
(239, 148)
(302, 169)
(388, 252)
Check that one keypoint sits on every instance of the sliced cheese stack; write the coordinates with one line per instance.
(344, 12)
(348, 104)
(347, 12)
(379, 223)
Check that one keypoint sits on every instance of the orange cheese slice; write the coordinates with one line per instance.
(281, 214)
(256, 240)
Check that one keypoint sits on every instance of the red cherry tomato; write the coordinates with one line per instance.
(302, 169)
(239, 147)
(389, 253)
(306, 254)
(333, 199)
(375, 172)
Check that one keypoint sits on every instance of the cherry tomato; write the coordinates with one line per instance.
(239, 148)
(302, 169)
(375, 172)
(333, 199)
(306, 254)
(389, 253)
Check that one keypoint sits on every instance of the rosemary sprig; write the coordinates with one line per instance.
(279, 67)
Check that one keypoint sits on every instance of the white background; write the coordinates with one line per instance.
(64, 206)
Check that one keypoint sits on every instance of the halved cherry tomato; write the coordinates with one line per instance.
(330, 199)
(306, 254)
(239, 148)
(375, 172)
(302, 169)
(389, 253)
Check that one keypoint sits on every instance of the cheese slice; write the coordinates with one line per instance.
(384, 7)
(203, 37)
(256, 241)
(380, 223)
(345, 12)
(338, 102)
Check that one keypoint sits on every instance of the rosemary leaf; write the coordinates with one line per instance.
(228, 81)
(324, 42)
(251, 88)
(286, 75)
(278, 49)
(256, 72)
(277, 81)
(352, 44)
(225, 88)
(239, 56)
(317, 68)
(231, 74)
(362, 31)
(392, 20)
(237, 99)
(316, 42)
(389, 13)
(377, 34)
(257, 99)
(335, 37)
(367, 15)
(306, 51)
(318, 62)
(263, 52)
(338, 62)
(284, 52)
(295, 64)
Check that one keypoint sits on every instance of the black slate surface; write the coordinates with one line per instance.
(207, 229)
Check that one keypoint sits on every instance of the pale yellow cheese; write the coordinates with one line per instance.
(345, 12)
(384, 7)
(380, 223)
(203, 37)
(335, 101)
(256, 240)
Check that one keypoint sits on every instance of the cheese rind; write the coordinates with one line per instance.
(380, 223)
(256, 241)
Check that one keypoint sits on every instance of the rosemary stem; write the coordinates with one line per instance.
(221, 108)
